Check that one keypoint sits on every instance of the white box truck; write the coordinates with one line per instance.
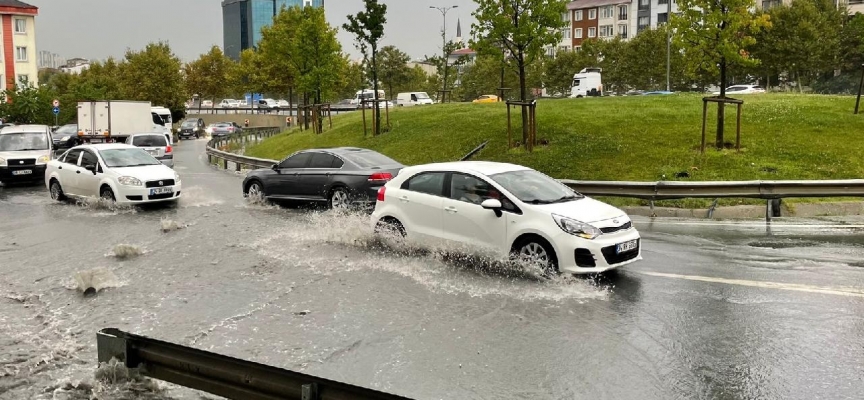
(587, 82)
(112, 121)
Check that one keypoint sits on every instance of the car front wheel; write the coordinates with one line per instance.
(535, 251)
(339, 199)
(56, 191)
(107, 195)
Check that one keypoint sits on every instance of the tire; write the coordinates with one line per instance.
(390, 226)
(254, 188)
(535, 249)
(339, 199)
(107, 194)
(56, 191)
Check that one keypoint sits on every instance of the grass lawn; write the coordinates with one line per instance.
(638, 138)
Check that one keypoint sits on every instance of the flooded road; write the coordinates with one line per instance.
(717, 310)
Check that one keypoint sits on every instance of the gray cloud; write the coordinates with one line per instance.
(98, 29)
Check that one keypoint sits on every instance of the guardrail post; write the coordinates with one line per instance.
(238, 167)
(310, 392)
(653, 214)
(769, 211)
(225, 164)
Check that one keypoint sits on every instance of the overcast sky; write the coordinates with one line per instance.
(97, 29)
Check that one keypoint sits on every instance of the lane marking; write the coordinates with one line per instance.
(747, 224)
(851, 292)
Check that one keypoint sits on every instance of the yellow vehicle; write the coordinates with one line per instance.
(486, 98)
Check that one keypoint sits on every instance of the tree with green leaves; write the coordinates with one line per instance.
(29, 105)
(483, 77)
(716, 34)
(277, 62)
(446, 67)
(353, 78)
(317, 55)
(368, 29)
(153, 74)
(393, 68)
(247, 75)
(207, 75)
(524, 28)
(644, 67)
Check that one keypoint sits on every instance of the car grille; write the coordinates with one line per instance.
(612, 229)
(161, 196)
(164, 182)
(612, 258)
(21, 161)
(585, 259)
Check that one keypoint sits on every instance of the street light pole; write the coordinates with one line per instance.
(446, 60)
(668, 45)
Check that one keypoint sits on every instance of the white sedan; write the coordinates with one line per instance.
(744, 89)
(119, 173)
(510, 210)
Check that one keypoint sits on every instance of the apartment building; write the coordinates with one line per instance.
(599, 19)
(20, 61)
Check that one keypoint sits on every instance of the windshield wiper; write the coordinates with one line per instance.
(133, 165)
(565, 199)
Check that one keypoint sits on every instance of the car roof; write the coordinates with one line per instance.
(105, 146)
(24, 129)
(340, 150)
(477, 167)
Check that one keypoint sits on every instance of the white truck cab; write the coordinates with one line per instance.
(587, 83)
(24, 151)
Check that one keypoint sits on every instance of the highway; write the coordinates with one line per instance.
(716, 310)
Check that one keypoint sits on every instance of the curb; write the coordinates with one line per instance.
(801, 210)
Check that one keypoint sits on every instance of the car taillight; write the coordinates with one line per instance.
(380, 177)
(381, 193)
(168, 149)
(230, 129)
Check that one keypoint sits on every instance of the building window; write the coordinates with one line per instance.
(21, 53)
(578, 33)
(20, 25)
(565, 17)
(643, 23)
(23, 79)
(577, 48)
(606, 31)
(563, 49)
(662, 1)
(622, 31)
(622, 13)
(644, 4)
(592, 32)
(578, 15)
(592, 13)
(307, 3)
(609, 12)
(565, 33)
(662, 18)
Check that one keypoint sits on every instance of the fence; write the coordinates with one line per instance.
(772, 191)
(287, 111)
(246, 136)
(224, 376)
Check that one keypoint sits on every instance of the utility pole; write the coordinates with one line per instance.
(668, 45)
(446, 59)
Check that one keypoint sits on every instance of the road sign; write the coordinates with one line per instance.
(55, 103)
(56, 110)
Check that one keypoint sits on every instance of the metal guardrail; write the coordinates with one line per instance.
(221, 375)
(292, 111)
(248, 135)
(772, 191)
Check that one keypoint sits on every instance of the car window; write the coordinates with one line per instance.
(369, 159)
(429, 183)
(149, 141)
(337, 163)
(72, 156)
(298, 160)
(89, 159)
(321, 160)
(472, 190)
(127, 157)
(531, 186)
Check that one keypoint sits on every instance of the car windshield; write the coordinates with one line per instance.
(534, 187)
(67, 130)
(189, 124)
(422, 96)
(149, 141)
(369, 159)
(21, 141)
(118, 158)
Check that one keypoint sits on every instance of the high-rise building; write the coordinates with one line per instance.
(242, 21)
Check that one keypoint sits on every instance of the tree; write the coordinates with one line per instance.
(277, 64)
(353, 78)
(29, 105)
(645, 68)
(393, 65)
(447, 68)
(207, 75)
(247, 75)
(316, 48)
(483, 76)
(716, 34)
(524, 28)
(153, 75)
(368, 28)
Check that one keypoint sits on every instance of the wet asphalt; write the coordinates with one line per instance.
(716, 310)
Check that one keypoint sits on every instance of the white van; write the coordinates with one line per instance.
(24, 151)
(587, 83)
(408, 99)
(167, 123)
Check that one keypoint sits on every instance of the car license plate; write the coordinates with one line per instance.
(161, 190)
(22, 172)
(626, 246)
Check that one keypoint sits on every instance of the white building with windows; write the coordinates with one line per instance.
(18, 31)
(649, 14)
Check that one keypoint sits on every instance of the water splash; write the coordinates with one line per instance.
(92, 281)
(126, 251)
(169, 225)
(197, 196)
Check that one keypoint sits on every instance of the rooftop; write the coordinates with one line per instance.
(580, 4)
(17, 7)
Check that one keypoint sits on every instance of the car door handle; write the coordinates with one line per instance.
(404, 199)
(78, 171)
(59, 167)
(451, 209)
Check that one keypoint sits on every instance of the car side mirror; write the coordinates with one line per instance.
(492, 204)
(275, 167)
(91, 168)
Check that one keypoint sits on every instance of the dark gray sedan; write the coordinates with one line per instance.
(342, 177)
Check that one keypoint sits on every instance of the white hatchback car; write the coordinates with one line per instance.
(509, 209)
(119, 173)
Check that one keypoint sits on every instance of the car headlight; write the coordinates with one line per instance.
(43, 160)
(130, 181)
(64, 138)
(176, 178)
(577, 228)
(2, 162)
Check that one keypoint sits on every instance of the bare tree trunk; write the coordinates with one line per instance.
(377, 113)
(523, 92)
(721, 107)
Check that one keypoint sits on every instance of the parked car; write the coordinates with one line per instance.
(507, 210)
(65, 137)
(155, 144)
(343, 177)
(24, 152)
(116, 172)
(225, 128)
(229, 103)
(207, 103)
(191, 127)
(486, 98)
(743, 89)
